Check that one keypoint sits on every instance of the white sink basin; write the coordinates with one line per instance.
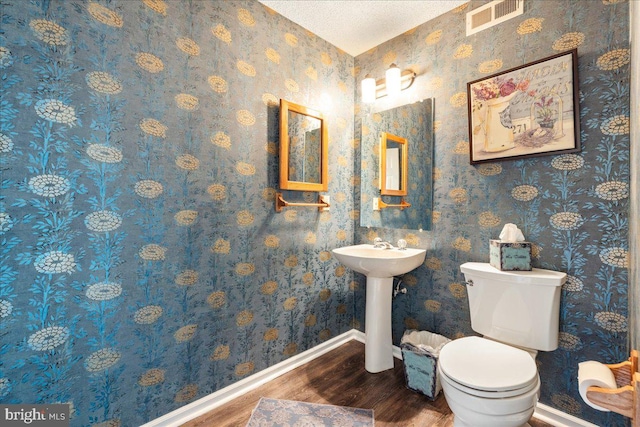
(377, 262)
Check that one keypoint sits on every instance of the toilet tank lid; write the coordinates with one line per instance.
(537, 276)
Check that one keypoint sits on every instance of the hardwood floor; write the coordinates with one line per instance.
(339, 378)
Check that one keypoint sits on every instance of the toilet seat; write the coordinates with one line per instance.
(486, 368)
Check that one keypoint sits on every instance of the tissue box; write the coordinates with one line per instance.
(510, 256)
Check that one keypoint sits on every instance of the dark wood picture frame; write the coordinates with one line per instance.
(526, 111)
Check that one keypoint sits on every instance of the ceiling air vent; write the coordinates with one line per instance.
(492, 14)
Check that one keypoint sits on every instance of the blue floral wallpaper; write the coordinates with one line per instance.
(573, 208)
(143, 263)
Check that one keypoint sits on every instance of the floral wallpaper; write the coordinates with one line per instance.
(573, 208)
(143, 263)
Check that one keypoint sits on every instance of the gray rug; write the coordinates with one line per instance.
(289, 413)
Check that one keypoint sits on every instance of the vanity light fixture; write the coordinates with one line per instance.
(392, 84)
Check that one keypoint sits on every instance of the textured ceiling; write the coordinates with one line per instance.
(356, 26)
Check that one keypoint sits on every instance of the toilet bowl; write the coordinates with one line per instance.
(487, 383)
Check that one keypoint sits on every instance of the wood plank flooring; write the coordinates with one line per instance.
(339, 378)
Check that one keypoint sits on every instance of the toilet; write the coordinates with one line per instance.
(493, 381)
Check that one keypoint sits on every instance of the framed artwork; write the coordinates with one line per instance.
(527, 111)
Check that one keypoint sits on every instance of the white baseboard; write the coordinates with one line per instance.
(201, 406)
(558, 418)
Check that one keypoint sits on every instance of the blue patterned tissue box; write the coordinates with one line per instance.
(510, 256)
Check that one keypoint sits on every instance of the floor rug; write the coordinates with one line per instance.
(289, 413)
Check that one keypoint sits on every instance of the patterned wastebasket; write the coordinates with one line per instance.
(420, 351)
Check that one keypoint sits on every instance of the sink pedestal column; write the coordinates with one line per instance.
(378, 347)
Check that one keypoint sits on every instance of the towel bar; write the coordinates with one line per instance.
(402, 205)
(282, 203)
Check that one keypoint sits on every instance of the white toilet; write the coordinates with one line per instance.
(493, 381)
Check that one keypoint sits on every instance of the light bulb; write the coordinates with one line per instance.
(368, 89)
(392, 80)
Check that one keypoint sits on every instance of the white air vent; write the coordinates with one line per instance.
(492, 14)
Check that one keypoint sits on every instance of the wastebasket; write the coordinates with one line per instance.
(420, 351)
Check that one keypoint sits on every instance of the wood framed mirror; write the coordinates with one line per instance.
(394, 162)
(303, 148)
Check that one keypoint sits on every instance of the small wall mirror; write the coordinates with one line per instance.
(303, 148)
(394, 162)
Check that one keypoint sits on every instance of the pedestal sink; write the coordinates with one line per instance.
(379, 265)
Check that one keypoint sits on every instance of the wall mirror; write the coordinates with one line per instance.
(393, 165)
(382, 134)
(303, 148)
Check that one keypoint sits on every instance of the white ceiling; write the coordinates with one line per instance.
(356, 26)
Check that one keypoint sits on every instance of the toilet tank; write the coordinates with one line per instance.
(521, 308)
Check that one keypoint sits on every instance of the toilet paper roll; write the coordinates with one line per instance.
(592, 373)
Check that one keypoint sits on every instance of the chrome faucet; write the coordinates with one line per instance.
(379, 243)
